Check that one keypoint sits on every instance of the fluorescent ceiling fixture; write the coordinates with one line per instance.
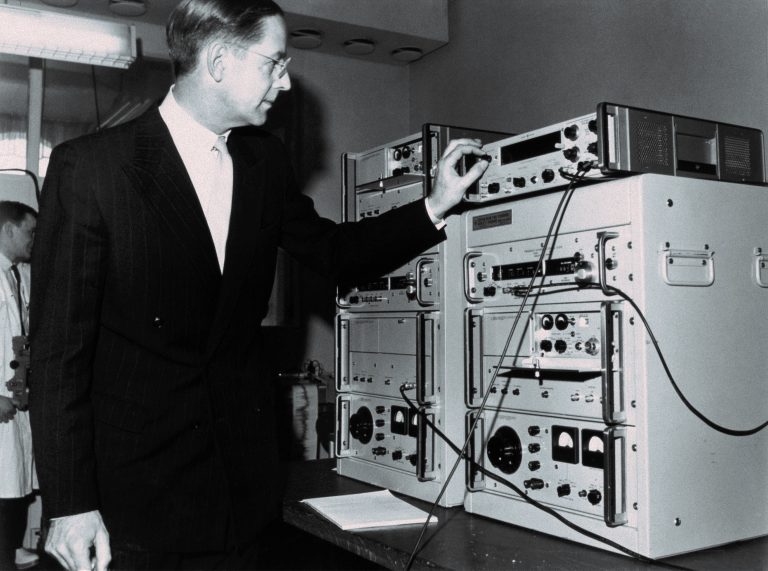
(50, 35)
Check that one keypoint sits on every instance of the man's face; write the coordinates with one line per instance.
(253, 81)
(21, 238)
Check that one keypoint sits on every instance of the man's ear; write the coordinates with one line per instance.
(215, 59)
(7, 229)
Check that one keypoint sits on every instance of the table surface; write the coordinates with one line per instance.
(462, 541)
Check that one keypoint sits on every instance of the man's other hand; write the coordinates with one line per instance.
(7, 409)
(71, 537)
(449, 187)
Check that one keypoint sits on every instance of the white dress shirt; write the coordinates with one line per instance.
(195, 144)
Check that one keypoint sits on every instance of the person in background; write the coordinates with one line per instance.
(154, 262)
(17, 470)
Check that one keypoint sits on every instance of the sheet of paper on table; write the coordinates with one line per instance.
(368, 510)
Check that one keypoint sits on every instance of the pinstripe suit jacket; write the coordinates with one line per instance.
(146, 400)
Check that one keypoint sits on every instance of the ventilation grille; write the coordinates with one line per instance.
(651, 143)
(738, 158)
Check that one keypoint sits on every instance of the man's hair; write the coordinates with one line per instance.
(194, 23)
(11, 211)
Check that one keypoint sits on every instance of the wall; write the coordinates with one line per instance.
(517, 65)
(338, 104)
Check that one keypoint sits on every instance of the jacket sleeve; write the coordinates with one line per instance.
(358, 250)
(68, 268)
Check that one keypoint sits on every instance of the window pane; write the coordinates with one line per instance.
(13, 113)
(68, 106)
(79, 99)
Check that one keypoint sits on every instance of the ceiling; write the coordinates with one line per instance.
(405, 27)
(157, 11)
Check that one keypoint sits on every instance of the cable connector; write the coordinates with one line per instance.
(408, 386)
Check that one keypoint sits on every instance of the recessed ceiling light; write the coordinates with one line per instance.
(61, 3)
(359, 47)
(306, 39)
(127, 7)
(407, 54)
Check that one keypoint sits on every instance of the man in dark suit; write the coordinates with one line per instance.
(153, 265)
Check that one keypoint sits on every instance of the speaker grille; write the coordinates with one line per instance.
(651, 147)
(738, 159)
(741, 154)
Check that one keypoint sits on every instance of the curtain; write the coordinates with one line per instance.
(13, 140)
(55, 132)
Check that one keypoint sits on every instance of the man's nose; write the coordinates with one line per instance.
(283, 83)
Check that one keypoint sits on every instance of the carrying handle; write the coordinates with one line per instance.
(343, 406)
(420, 265)
(469, 277)
(614, 476)
(611, 365)
(602, 238)
(342, 353)
(422, 446)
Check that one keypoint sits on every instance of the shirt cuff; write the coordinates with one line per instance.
(438, 222)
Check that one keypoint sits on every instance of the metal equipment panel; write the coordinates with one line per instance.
(688, 255)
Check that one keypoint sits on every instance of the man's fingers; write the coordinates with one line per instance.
(460, 147)
(82, 556)
(60, 552)
(7, 417)
(71, 537)
(103, 552)
(474, 173)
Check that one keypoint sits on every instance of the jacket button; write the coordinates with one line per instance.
(157, 323)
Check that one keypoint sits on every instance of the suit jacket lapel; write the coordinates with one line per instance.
(159, 173)
(242, 240)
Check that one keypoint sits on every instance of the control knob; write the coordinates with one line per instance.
(571, 132)
(361, 425)
(410, 289)
(571, 154)
(534, 483)
(583, 272)
(504, 450)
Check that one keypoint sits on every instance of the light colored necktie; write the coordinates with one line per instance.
(220, 199)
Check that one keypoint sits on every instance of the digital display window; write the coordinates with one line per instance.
(535, 147)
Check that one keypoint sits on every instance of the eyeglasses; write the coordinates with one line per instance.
(279, 66)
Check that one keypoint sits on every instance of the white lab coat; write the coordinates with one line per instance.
(17, 468)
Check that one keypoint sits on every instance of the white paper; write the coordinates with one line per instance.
(372, 509)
